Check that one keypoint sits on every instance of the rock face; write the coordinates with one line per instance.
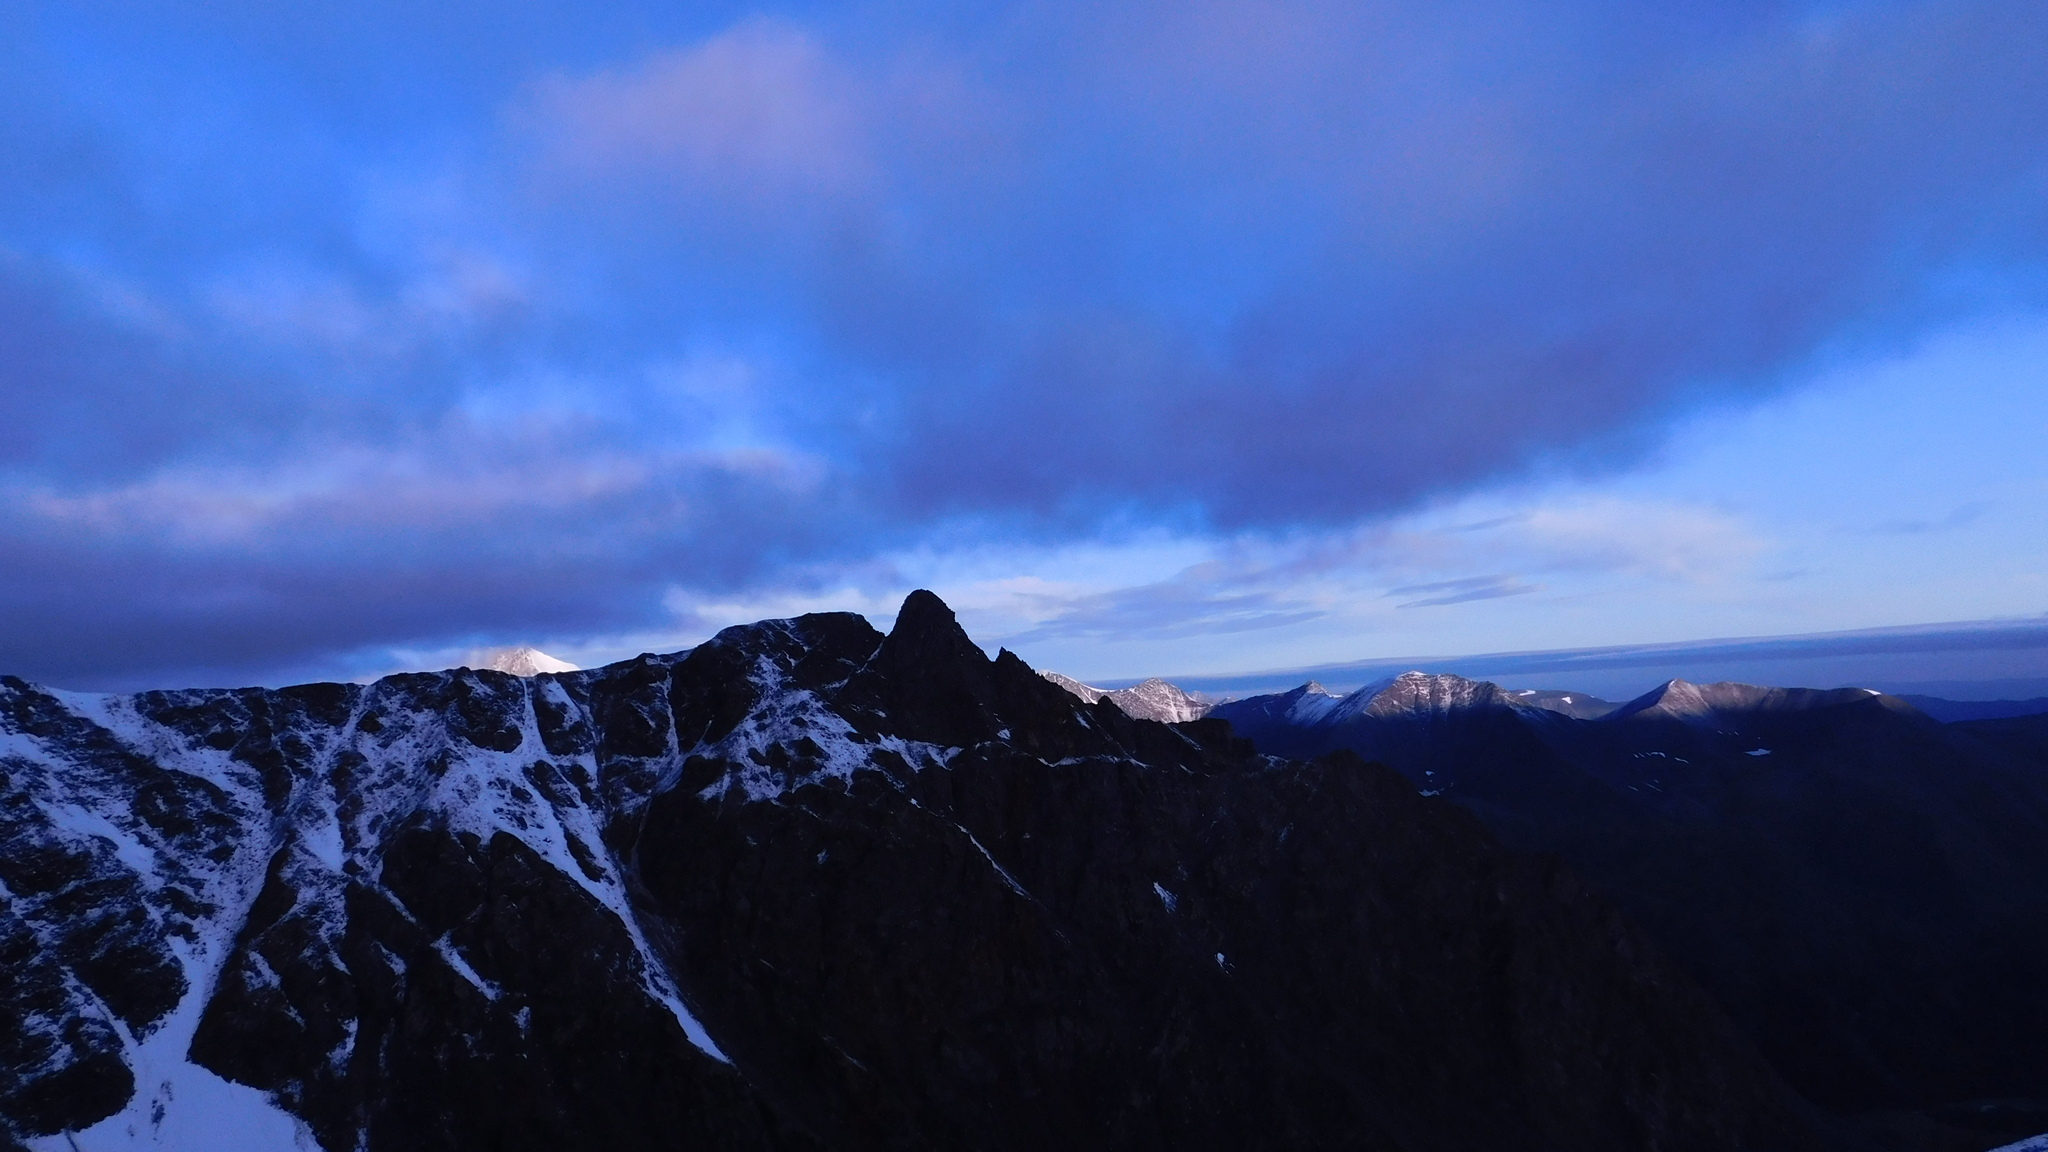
(807, 887)
(1866, 890)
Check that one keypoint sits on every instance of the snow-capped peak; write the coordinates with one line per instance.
(1426, 692)
(1312, 703)
(1155, 699)
(519, 661)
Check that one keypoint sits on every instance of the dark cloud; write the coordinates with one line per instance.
(362, 326)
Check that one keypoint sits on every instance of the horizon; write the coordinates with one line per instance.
(1888, 659)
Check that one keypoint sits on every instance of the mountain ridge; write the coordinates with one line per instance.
(807, 886)
(1153, 699)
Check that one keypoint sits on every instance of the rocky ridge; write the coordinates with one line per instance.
(804, 887)
(1153, 699)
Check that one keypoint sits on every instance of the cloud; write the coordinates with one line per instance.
(1962, 516)
(1184, 606)
(759, 110)
(1464, 591)
(610, 307)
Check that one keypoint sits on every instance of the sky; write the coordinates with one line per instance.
(1193, 338)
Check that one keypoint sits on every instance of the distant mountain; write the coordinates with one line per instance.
(516, 661)
(1864, 888)
(806, 887)
(1710, 705)
(1581, 705)
(1154, 699)
(1948, 711)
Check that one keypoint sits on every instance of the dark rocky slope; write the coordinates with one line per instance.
(1866, 890)
(804, 887)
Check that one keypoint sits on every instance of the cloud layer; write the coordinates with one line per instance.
(306, 351)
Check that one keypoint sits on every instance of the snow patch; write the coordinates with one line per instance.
(453, 957)
(179, 1106)
(1171, 901)
(1087, 693)
(1313, 705)
(1000, 870)
(826, 746)
(127, 848)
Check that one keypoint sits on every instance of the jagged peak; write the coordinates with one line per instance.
(926, 630)
(923, 607)
(1157, 699)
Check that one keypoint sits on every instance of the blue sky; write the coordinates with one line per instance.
(1178, 338)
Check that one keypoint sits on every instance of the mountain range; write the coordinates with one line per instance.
(1153, 699)
(1864, 888)
(808, 886)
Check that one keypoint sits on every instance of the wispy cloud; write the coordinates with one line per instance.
(1445, 592)
(1962, 516)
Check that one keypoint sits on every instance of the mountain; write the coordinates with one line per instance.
(1865, 889)
(1155, 699)
(1579, 705)
(804, 887)
(1716, 705)
(1948, 711)
(517, 661)
(1086, 693)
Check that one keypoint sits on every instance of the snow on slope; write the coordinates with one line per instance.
(829, 748)
(521, 661)
(179, 1106)
(81, 775)
(1314, 703)
(1091, 695)
(1155, 699)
